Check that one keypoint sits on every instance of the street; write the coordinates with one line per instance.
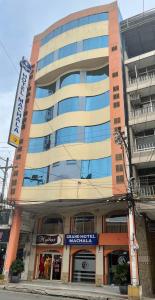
(5, 295)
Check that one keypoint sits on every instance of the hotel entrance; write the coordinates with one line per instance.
(50, 266)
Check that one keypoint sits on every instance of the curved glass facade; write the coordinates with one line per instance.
(42, 116)
(73, 24)
(70, 105)
(98, 101)
(73, 134)
(34, 177)
(45, 91)
(88, 44)
(73, 78)
(84, 169)
(97, 133)
(97, 75)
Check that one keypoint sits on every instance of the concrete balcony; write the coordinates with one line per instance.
(145, 190)
(143, 81)
(144, 150)
(145, 143)
(139, 116)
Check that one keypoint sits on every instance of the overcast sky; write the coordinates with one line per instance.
(19, 22)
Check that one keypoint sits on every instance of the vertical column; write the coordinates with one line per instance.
(31, 264)
(144, 257)
(106, 272)
(13, 241)
(66, 254)
(99, 255)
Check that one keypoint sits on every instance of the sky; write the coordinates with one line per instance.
(19, 22)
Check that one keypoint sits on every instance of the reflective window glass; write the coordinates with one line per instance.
(67, 50)
(34, 177)
(97, 133)
(75, 23)
(96, 168)
(46, 60)
(68, 105)
(45, 91)
(97, 102)
(96, 42)
(39, 144)
(41, 116)
(67, 135)
(70, 78)
(97, 75)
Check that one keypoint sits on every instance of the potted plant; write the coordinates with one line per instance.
(16, 269)
(121, 277)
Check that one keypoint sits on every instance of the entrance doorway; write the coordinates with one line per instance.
(50, 266)
(117, 258)
(84, 267)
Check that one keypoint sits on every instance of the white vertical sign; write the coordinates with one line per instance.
(17, 117)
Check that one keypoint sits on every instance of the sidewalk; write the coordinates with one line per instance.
(70, 290)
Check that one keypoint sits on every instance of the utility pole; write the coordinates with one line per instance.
(120, 139)
(4, 169)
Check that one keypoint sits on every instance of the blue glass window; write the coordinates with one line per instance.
(46, 60)
(97, 133)
(96, 42)
(34, 177)
(67, 50)
(70, 78)
(41, 116)
(97, 75)
(96, 168)
(39, 144)
(45, 91)
(67, 135)
(73, 24)
(68, 105)
(98, 101)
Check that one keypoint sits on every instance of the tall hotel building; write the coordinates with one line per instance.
(70, 173)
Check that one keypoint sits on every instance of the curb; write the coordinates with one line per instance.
(63, 294)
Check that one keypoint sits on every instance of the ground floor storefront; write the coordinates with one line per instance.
(80, 263)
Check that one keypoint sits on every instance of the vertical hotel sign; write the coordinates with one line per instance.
(17, 116)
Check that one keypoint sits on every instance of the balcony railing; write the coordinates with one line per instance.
(142, 111)
(142, 78)
(145, 143)
(145, 190)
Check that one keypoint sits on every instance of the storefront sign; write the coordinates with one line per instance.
(19, 105)
(49, 239)
(81, 239)
(4, 236)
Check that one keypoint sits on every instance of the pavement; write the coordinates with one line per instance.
(70, 290)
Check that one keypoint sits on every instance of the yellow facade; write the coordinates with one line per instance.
(74, 35)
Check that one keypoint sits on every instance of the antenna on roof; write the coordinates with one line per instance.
(143, 6)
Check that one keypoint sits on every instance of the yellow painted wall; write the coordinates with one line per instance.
(73, 62)
(80, 118)
(74, 35)
(69, 189)
(77, 151)
(73, 90)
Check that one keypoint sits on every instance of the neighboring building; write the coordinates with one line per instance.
(138, 35)
(5, 223)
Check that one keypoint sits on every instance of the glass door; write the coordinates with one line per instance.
(56, 267)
